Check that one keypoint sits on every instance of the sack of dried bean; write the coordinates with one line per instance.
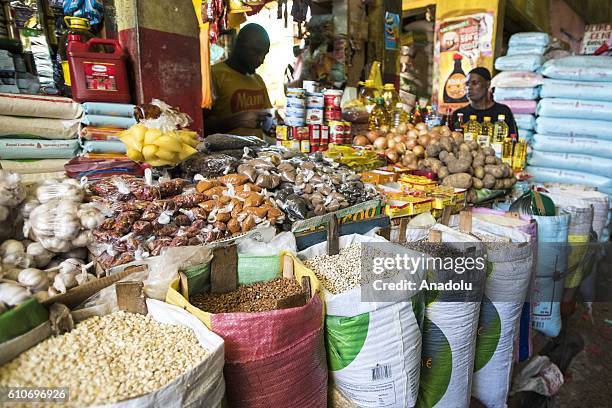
(373, 348)
(167, 358)
(282, 349)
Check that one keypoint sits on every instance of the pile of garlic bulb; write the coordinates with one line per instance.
(12, 194)
(57, 218)
(20, 284)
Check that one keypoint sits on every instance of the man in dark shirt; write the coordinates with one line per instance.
(477, 85)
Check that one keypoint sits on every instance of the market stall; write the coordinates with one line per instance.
(362, 248)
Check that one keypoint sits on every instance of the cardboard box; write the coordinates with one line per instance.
(408, 206)
(378, 177)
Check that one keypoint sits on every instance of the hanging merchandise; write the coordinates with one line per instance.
(92, 10)
(204, 13)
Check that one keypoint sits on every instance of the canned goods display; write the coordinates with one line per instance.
(282, 132)
(332, 114)
(305, 146)
(314, 116)
(294, 122)
(310, 86)
(300, 133)
(295, 112)
(296, 93)
(347, 130)
(332, 98)
(315, 100)
(324, 134)
(314, 133)
(336, 132)
(296, 103)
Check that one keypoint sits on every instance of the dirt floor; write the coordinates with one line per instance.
(588, 380)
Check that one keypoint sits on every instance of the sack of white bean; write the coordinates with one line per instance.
(272, 357)
(373, 348)
(123, 360)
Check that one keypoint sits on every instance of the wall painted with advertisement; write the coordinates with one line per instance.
(468, 34)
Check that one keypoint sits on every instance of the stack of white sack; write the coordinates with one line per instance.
(573, 143)
(518, 85)
(40, 129)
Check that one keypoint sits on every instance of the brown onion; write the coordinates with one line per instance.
(400, 148)
(413, 134)
(403, 128)
(384, 129)
(372, 135)
(410, 126)
(424, 140)
(380, 143)
(419, 151)
(411, 143)
(398, 138)
(361, 140)
(445, 131)
(391, 143)
(435, 137)
(421, 126)
(392, 155)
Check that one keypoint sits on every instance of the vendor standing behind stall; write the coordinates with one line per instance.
(240, 96)
(478, 85)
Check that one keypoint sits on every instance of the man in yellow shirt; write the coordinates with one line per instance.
(240, 96)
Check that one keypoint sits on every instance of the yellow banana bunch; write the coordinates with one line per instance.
(150, 145)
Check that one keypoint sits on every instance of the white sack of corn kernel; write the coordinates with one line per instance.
(449, 344)
(509, 271)
(202, 386)
(373, 349)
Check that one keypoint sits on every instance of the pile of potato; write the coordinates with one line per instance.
(457, 163)
(467, 165)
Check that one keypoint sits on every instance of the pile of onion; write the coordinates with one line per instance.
(405, 143)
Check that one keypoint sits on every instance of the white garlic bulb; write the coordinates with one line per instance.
(64, 282)
(34, 279)
(83, 239)
(52, 291)
(11, 246)
(12, 192)
(89, 216)
(13, 294)
(83, 278)
(41, 256)
(71, 266)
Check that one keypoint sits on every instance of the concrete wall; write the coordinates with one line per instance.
(566, 24)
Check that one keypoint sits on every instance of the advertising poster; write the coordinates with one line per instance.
(461, 44)
(392, 31)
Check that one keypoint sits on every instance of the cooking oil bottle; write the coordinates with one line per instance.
(391, 98)
(472, 129)
(519, 156)
(500, 135)
(378, 116)
(508, 149)
(400, 115)
(486, 132)
(368, 94)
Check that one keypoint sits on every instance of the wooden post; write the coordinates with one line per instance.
(435, 236)
(446, 213)
(403, 226)
(385, 232)
(287, 267)
(131, 297)
(465, 221)
(224, 269)
(333, 238)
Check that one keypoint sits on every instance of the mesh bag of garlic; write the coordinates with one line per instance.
(373, 348)
(167, 359)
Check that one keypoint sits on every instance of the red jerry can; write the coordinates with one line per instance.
(98, 76)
